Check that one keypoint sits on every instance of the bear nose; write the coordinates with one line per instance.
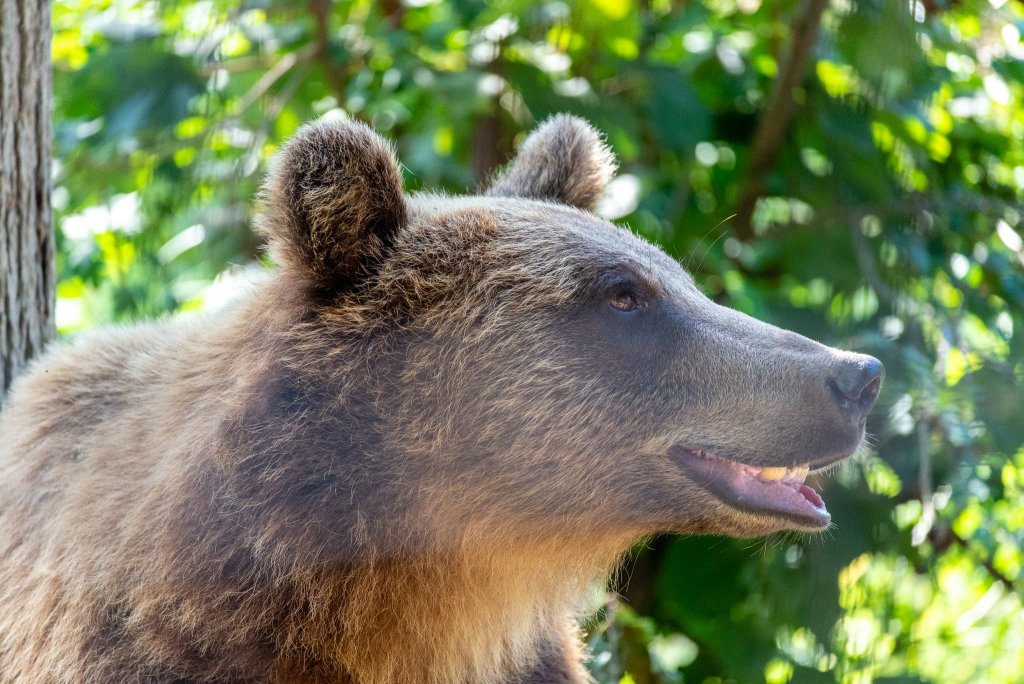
(855, 385)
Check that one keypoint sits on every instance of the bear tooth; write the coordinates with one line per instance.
(772, 473)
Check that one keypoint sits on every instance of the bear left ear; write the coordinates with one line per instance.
(564, 160)
(333, 203)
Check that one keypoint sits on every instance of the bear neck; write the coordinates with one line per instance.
(471, 615)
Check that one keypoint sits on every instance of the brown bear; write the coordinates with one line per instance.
(409, 454)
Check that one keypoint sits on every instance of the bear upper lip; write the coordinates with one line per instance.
(775, 491)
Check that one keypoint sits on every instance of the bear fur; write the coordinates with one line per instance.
(407, 455)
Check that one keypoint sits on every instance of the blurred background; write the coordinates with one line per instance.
(850, 169)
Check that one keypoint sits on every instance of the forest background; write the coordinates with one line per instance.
(853, 170)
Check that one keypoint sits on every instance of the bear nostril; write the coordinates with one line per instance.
(870, 391)
(856, 384)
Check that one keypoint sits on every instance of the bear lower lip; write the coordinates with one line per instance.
(779, 492)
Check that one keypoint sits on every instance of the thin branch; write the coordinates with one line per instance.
(924, 485)
(273, 110)
(236, 65)
(773, 124)
(869, 267)
(992, 570)
(272, 76)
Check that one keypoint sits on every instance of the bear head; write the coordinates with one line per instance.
(530, 368)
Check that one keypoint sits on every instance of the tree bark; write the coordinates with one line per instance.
(27, 282)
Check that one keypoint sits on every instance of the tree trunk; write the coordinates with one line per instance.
(27, 282)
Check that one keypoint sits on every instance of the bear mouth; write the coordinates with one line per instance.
(776, 491)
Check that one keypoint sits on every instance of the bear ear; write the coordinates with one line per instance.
(564, 160)
(333, 203)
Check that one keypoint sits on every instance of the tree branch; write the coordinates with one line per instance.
(321, 10)
(944, 537)
(773, 124)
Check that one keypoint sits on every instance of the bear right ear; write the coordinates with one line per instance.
(333, 203)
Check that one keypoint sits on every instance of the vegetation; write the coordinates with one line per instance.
(872, 151)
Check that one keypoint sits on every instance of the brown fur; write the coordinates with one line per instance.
(406, 456)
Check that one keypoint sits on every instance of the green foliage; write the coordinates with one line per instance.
(890, 223)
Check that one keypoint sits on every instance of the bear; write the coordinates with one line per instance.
(411, 450)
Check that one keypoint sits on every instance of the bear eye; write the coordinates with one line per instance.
(625, 300)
